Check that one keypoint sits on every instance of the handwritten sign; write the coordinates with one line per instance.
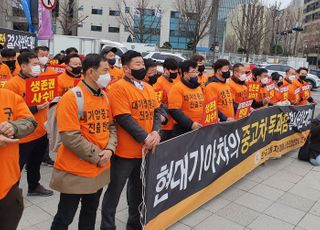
(209, 112)
(40, 90)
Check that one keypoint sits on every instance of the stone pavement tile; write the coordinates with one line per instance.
(315, 210)
(305, 191)
(265, 222)
(179, 226)
(219, 223)
(296, 202)
(50, 206)
(195, 217)
(285, 213)
(279, 183)
(310, 222)
(264, 172)
(312, 180)
(26, 203)
(254, 202)
(40, 199)
(32, 228)
(32, 216)
(296, 170)
(245, 184)
(298, 228)
(215, 204)
(288, 176)
(238, 214)
(254, 177)
(231, 194)
(302, 164)
(267, 192)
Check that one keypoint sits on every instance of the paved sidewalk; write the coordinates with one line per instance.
(282, 194)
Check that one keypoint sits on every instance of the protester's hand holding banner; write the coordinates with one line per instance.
(210, 112)
(41, 89)
(187, 171)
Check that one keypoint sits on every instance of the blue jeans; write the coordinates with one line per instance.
(315, 161)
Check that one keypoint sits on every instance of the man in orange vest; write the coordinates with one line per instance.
(33, 147)
(115, 72)
(89, 139)
(16, 121)
(9, 58)
(202, 77)
(294, 90)
(305, 87)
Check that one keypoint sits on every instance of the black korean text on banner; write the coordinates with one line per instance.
(183, 167)
(13, 39)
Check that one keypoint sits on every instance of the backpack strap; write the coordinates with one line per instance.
(79, 99)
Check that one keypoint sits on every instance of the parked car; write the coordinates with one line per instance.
(281, 69)
(315, 72)
(161, 56)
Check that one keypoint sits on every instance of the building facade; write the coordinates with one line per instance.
(311, 33)
(161, 18)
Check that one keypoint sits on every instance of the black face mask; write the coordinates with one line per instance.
(11, 64)
(153, 79)
(76, 70)
(280, 83)
(139, 74)
(201, 68)
(173, 75)
(226, 75)
(303, 78)
(111, 61)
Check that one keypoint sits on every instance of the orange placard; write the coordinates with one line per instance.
(254, 89)
(284, 90)
(58, 68)
(305, 92)
(244, 109)
(159, 95)
(40, 90)
(3, 81)
(209, 112)
(270, 89)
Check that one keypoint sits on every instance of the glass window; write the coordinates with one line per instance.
(114, 29)
(96, 11)
(96, 28)
(114, 12)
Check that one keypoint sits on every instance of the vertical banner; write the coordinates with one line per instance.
(187, 171)
(40, 90)
(45, 23)
(26, 6)
(209, 112)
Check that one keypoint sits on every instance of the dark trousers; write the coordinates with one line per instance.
(32, 153)
(68, 206)
(11, 208)
(122, 169)
(165, 135)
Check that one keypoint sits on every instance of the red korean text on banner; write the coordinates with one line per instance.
(244, 109)
(40, 90)
(209, 112)
(254, 90)
(305, 91)
(58, 68)
(271, 90)
(284, 90)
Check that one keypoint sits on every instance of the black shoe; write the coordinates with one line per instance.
(48, 162)
(40, 191)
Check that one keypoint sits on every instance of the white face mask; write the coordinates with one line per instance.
(35, 70)
(265, 80)
(103, 81)
(43, 60)
(292, 77)
(243, 77)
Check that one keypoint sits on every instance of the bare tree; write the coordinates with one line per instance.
(195, 18)
(250, 27)
(67, 18)
(231, 44)
(134, 19)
